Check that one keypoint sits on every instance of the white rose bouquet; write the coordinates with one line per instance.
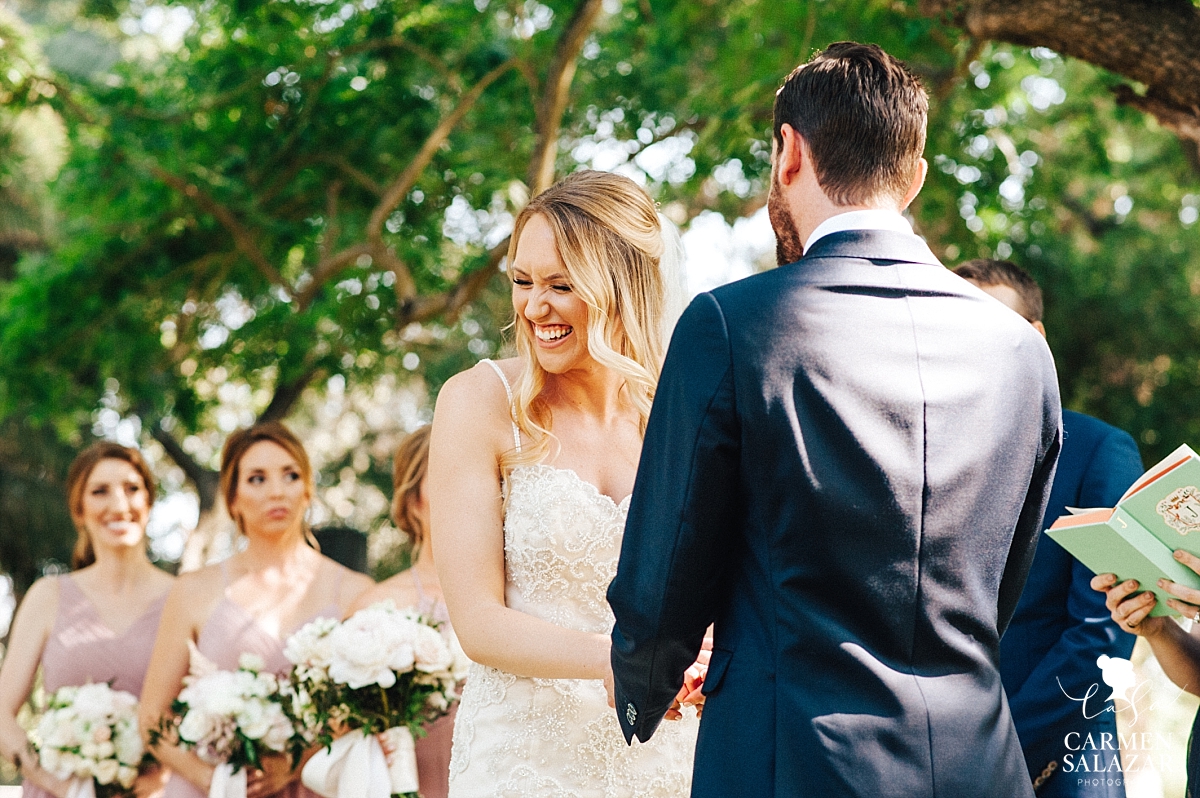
(89, 734)
(233, 718)
(382, 671)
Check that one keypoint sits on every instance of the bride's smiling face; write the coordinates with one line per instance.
(545, 302)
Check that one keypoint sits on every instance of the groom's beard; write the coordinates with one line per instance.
(788, 246)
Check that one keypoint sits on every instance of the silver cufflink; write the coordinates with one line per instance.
(630, 714)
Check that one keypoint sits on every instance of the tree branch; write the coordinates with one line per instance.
(332, 228)
(451, 302)
(399, 42)
(204, 479)
(556, 93)
(285, 396)
(404, 182)
(1152, 42)
(242, 237)
(354, 173)
(326, 269)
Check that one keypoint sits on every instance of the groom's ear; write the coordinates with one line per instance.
(917, 183)
(790, 155)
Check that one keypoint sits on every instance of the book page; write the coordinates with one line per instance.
(1169, 463)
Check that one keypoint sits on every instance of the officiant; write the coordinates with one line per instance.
(1061, 625)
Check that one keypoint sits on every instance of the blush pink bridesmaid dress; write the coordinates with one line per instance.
(433, 750)
(229, 632)
(83, 649)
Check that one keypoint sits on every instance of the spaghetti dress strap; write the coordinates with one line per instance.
(508, 390)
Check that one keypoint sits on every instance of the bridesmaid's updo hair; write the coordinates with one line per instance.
(408, 472)
(610, 240)
(81, 469)
(240, 442)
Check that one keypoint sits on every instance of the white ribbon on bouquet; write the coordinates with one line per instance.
(227, 784)
(355, 766)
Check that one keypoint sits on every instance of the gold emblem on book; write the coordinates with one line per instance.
(1181, 509)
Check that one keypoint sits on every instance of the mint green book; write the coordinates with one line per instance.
(1120, 545)
(1167, 501)
(1136, 539)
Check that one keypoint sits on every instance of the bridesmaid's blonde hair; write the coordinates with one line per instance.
(610, 241)
(408, 472)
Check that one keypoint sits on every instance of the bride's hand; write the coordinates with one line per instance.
(693, 682)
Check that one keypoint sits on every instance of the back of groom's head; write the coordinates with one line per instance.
(863, 116)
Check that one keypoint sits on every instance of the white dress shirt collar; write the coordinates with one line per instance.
(873, 219)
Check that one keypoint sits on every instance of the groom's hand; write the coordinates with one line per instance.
(610, 686)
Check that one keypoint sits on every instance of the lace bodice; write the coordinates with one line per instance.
(562, 538)
(558, 738)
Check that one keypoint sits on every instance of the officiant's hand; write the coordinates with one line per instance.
(1130, 609)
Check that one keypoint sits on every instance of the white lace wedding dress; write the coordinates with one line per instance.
(558, 738)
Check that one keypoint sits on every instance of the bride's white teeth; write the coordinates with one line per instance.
(550, 333)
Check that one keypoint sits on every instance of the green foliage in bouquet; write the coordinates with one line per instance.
(379, 669)
(238, 717)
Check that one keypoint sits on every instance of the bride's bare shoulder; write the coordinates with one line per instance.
(476, 399)
(479, 394)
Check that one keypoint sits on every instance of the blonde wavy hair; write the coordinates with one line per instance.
(610, 241)
(408, 472)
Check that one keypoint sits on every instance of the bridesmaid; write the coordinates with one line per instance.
(98, 623)
(418, 587)
(251, 602)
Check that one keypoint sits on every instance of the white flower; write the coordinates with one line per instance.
(310, 646)
(368, 650)
(94, 701)
(51, 761)
(279, 728)
(86, 729)
(251, 662)
(106, 771)
(129, 744)
(127, 775)
(430, 650)
(252, 720)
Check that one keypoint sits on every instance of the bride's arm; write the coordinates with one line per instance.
(470, 429)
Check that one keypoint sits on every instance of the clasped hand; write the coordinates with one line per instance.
(1131, 609)
(690, 694)
(273, 776)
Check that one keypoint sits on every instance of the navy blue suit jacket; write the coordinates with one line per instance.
(1061, 625)
(845, 470)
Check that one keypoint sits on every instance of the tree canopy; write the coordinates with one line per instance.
(297, 191)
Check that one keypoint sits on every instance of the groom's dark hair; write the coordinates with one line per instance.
(863, 116)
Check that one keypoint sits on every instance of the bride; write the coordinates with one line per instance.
(532, 461)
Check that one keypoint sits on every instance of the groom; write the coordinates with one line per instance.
(845, 470)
